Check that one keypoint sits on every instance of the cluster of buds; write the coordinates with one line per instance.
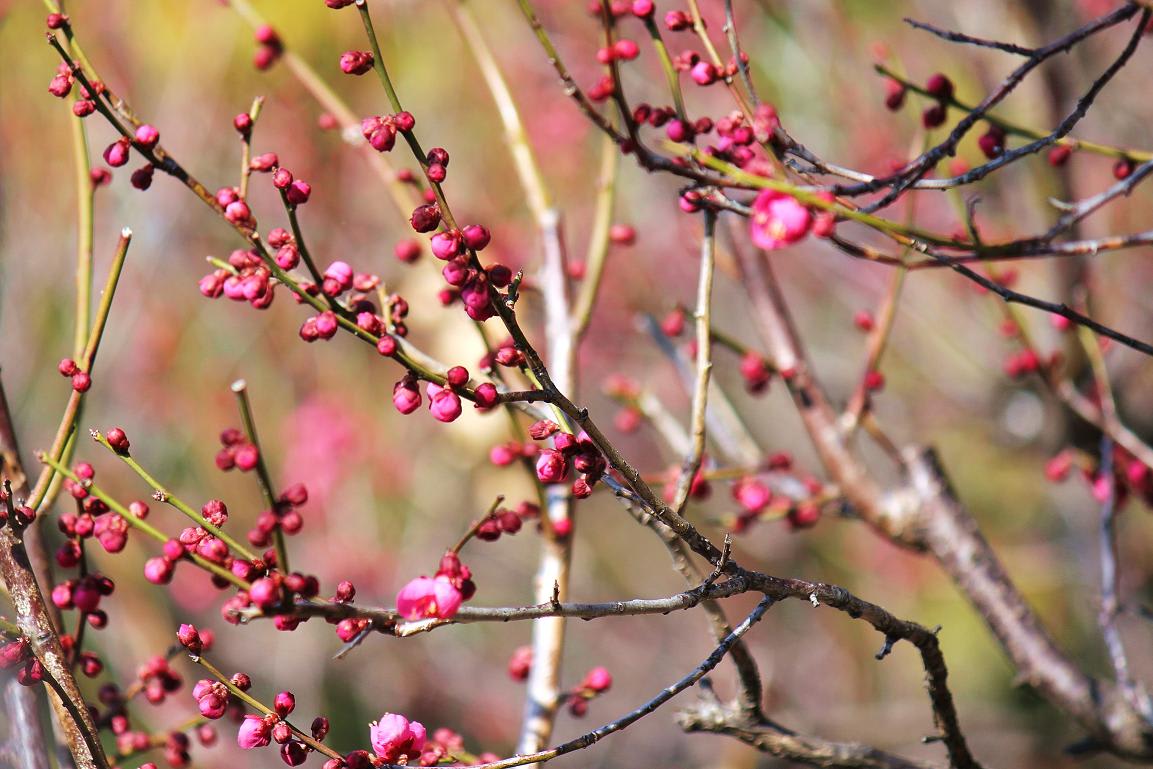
(1022, 363)
(1130, 475)
(736, 139)
(356, 62)
(94, 519)
(439, 596)
(236, 209)
(236, 451)
(940, 88)
(504, 454)
(325, 324)
(621, 50)
(676, 130)
(261, 731)
(287, 254)
(212, 698)
(81, 381)
(61, 83)
(269, 47)
(18, 654)
(380, 130)
(992, 142)
(444, 401)
(270, 592)
(568, 451)
(23, 515)
(466, 281)
(247, 280)
(339, 278)
(158, 678)
(284, 516)
(499, 521)
(193, 540)
(596, 682)
(756, 500)
(756, 372)
(84, 595)
(505, 354)
(296, 191)
(396, 310)
(895, 93)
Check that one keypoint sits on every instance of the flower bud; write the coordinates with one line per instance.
(284, 703)
(189, 638)
(486, 395)
(355, 62)
(116, 154)
(117, 440)
(425, 218)
(445, 245)
(147, 136)
(476, 236)
(298, 192)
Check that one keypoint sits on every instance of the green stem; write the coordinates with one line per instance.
(87, 362)
(260, 707)
(524, 159)
(85, 201)
(598, 247)
(477, 524)
(161, 159)
(139, 524)
(810, 198)
(172, 500)
(240, 389)
(10, 629)
(246, 147)
(1019, 130)
(394, 100)
(302, 249)
(671, 74)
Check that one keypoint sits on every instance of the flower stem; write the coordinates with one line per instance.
(240, 389)
(260, 707)
(246, 147)
(167, 497)
(65, 432)
(472, 530)
(137, 523)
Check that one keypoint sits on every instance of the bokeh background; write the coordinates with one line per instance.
(389, 493)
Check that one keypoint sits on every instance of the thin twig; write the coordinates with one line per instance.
(959, 37)
(691, 462)
(66, 431)
(240, 389)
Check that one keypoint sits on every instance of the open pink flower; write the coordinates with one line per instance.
(778, 220)
(254, 733)
(396, 739)
(752, 495)
(429, 597)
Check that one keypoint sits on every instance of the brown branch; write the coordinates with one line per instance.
(960, 37)
(925, 515)
(916, 170)
(28, 741)
(35, 622)
(776, 740)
